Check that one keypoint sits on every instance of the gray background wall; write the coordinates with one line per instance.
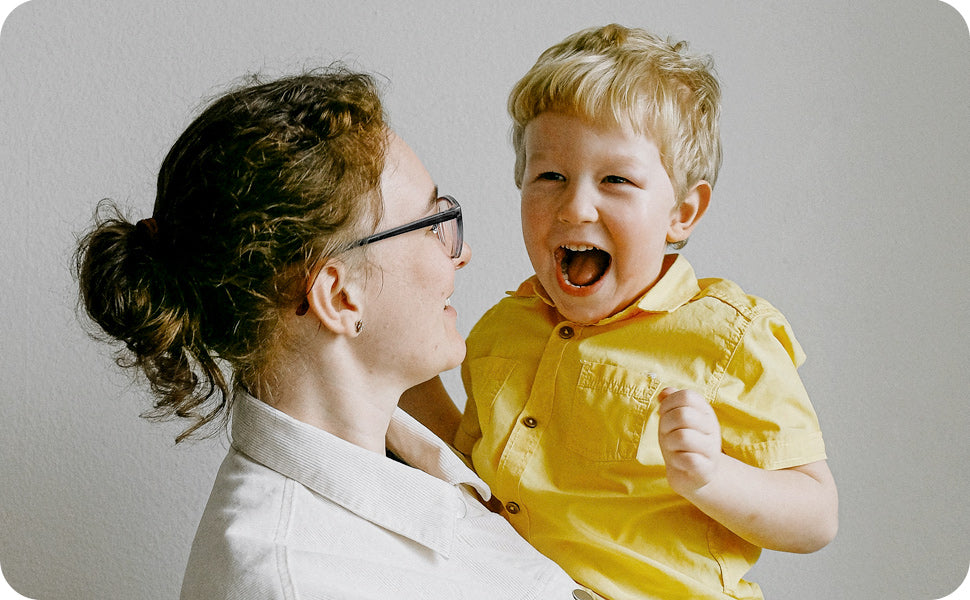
(843, 199)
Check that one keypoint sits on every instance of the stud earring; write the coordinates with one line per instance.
(358, 326)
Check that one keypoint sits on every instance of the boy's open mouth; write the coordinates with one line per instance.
(582, 265)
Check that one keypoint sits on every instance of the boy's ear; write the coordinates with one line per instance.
(685, 217)
(334, 298)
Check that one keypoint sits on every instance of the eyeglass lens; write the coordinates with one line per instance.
(449, 232)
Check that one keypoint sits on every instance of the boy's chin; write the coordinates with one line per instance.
(583, 310)
(583, 315)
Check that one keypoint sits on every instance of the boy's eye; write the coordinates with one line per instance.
(615, 179)
(550, 176)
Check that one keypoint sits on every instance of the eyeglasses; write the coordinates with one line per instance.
(446, 223)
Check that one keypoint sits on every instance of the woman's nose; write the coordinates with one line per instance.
(464, 257)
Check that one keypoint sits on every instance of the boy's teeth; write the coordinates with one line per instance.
(448, 301)
(582, 264)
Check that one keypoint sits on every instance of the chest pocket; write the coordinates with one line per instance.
(607, 414)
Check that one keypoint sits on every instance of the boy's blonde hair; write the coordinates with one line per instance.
(629, 77)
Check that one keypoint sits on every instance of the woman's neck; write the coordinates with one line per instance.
(335, 396)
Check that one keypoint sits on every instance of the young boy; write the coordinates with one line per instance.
(645, 429)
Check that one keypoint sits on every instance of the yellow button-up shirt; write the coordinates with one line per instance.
(561, 423)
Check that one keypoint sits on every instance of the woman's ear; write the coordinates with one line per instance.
(334, 298)
(688, 213)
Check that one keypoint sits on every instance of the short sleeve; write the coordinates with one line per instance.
(766, 417)
(470, 430)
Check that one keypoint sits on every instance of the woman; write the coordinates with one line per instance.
(260, 289)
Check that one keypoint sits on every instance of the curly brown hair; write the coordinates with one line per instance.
(269, 178)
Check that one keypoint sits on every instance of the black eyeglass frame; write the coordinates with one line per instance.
(436, 219)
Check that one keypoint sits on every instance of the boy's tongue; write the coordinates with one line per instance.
(586, 267)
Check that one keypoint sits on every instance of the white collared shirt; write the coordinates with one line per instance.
(297, 513)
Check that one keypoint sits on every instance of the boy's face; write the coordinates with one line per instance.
(598, 209)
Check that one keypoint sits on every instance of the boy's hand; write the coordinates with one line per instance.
(690, 440)
(793, 510)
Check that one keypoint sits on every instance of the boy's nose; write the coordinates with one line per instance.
(577, 206)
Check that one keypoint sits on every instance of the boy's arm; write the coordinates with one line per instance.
(791, 510)
(431, 405)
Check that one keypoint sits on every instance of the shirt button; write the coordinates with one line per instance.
(513, 508)
(530, 422)
(566, 332)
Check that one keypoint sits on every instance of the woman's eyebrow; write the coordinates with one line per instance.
(432, 206)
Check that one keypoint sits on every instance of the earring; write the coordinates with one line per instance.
(358, 326)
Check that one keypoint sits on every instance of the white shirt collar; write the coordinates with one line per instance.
(325, 464)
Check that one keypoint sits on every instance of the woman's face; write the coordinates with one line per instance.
(408, 318)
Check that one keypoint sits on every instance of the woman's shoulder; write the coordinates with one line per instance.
(232, 555)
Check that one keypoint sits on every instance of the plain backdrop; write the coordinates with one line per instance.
(842, 199)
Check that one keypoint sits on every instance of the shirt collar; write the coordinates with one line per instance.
(677, 286)
(421, 503)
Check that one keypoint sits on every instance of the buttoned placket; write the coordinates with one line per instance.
(531, 422)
